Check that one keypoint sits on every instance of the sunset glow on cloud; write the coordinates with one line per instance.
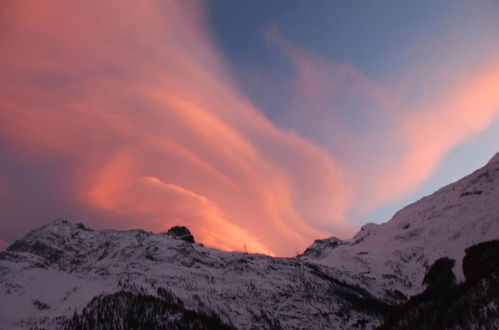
(375, 130)
(153, 129)
(125, 114)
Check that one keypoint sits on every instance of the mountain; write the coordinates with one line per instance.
(58, 269)
(440, 251)
(390, 260)
(444, 304)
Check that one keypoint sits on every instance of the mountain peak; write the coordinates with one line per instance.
(57, 228)
(58, 223)
(181, 232)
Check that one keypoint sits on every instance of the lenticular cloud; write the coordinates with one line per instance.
(132, 106)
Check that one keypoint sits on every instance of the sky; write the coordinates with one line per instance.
(260, 125)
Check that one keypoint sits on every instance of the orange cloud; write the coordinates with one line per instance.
(138, 104)
(122, 113)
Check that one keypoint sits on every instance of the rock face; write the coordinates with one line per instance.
(182, 233)
(321, 245)
(64, 275)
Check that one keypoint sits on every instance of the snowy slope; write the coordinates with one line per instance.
(391, 259)
(56, 270)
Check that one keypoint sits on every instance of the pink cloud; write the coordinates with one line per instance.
(387, 145)
(136, 103)
(470, 107)
(126, 114)
(426, 132)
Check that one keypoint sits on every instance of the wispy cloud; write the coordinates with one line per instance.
(124, 114)
(388, 143)
(130, 108)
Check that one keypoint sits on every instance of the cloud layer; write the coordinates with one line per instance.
(389, 142)
(128, 109)
(123, 115)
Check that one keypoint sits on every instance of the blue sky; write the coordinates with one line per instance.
(385, 40)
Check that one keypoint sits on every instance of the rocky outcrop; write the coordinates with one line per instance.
(182, 233)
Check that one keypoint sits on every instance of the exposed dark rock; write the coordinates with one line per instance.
(50, 254)
(40, 305)
(181, 232)
(470, 193)
(321, 245)
(81, 226)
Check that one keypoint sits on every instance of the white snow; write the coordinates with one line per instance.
(237, 286)
(72, 264)
(395, 255)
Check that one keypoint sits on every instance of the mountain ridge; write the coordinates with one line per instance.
(53, 275)
(444, 223)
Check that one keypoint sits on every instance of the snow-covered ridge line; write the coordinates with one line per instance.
(56, 270)
(397, 253)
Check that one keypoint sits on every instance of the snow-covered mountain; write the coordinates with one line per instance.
(390, 260)
(65, 275)
(57, 269)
